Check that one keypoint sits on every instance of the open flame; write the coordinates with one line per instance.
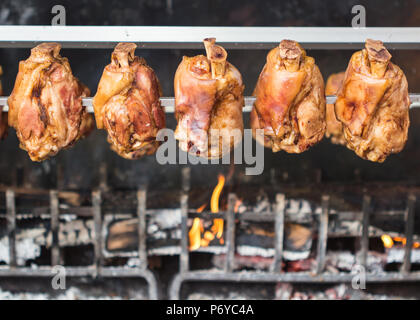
(217, 227)
(389, 241)
(196, 236)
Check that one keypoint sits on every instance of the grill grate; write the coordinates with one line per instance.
(226, 274)
(275, 274)
(95, 270)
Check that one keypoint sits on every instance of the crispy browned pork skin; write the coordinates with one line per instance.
(45, 106)
(208, 103)
(290, 100)
(373, 104)
(127, 104)
(334, 127)
(3, 116)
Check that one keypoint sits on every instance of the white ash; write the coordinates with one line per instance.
(255, 251)
(343, 260)
(212, 249)
(176, 234)
(71, 293)
(26, 249)
(295, 209)
(160, 235)
(283, 291)
(163, 251)
(342, 292)
(30, 240)
(346, 260)
(232, 295)
(396, 255)
(67, 217)
(166, 219)
(263, 204)
(133, 262)
(152, 228)
(76, 232)
(299, 210)
(295, 255)
(242, 208)
(175, 250)
(351, 227)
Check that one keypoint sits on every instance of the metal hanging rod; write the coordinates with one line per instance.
(188, 37)
(169, 103)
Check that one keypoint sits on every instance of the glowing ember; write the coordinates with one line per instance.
(201, 209)
(389, 241)
(208, 236)
(237, 205)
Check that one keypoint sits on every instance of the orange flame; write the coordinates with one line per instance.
(217, 227)
(389, 241)
(195, 234)
(197, 229)
(201, 209)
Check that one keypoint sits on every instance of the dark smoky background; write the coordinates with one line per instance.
(80, 164)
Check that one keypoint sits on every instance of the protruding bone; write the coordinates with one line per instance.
(291, 53)
(378, 57)
(123, 54)
(45, 51)
(217, 56)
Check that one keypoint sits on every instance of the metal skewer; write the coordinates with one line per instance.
(169, 103)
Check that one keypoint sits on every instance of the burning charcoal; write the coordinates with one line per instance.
(298, 237)
(254, 262)
(301, 265)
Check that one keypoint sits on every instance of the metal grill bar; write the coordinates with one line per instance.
(97, 217)
(106, 272)
(365, 230)
(95, 270)
(409, 230)
(54, 210)
(291, 277)
(323, 234)
(11, 226)
(279, 233)
(141, 228)
(188, 37)
(230, 233)
(169, 102)
(184, 259)
(226, 276)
